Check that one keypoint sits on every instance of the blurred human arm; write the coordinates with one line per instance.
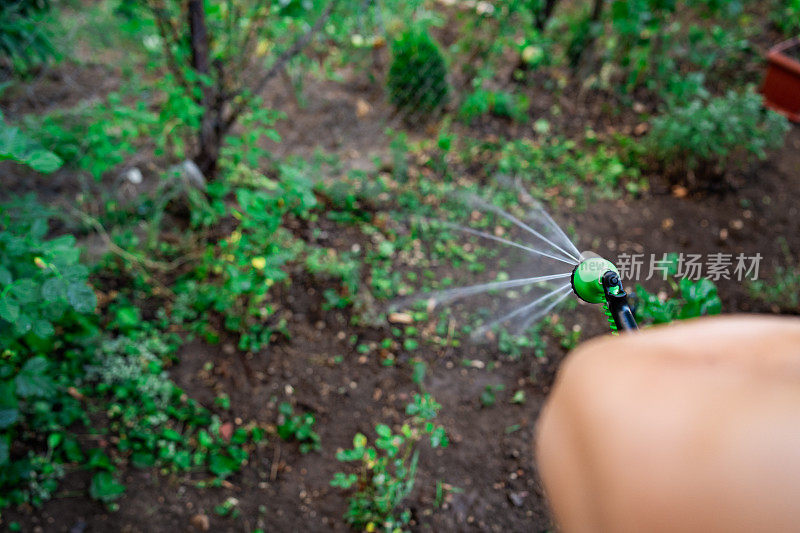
(687, 427)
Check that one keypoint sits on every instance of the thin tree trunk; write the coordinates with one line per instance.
(544, 14)
(208, 153)
(597, 10)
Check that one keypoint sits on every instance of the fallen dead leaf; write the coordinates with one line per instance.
(200, 522)
(400, 318)
(362, 108)
(679, 191)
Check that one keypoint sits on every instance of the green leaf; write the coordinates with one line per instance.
(99, 459)
(343, 481)
(72, 450)
(81, 297)
(43, 161)
(171, 434)
(9, 311)
(32, 379)
(439, 438)
(54, 289)
(9, 412)
(128, 316)
(5, 276)
(4, 450)
(75, 273)
(221, 465)
(8, 415)
(25, 290)
(43, 329)
(105, 488)
(23, 324)
(204, 439)
(350, 455)
(142, 459)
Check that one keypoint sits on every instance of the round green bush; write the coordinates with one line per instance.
(417, 78)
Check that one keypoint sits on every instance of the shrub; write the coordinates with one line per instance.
(706, 136)
(46, 307)
(417, 78)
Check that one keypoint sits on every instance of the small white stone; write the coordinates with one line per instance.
(134, 175)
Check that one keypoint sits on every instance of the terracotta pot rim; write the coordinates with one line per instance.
(777, 55)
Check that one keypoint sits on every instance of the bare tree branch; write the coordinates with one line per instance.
(281, 62)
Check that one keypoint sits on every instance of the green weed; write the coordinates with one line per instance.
(297, 427)
(388, 469)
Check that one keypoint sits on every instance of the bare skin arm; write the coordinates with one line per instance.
(687, 427)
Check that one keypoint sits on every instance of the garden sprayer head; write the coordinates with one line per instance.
(596, 280)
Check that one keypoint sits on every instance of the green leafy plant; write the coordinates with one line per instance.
(297, 427)
(236, 273)
(555, 166)
(417, 78)
(21, 148)
(327, 263)
(499, 103)
(43, 285)
(690, 299)
(782, 291)
(489, 395)
(787, 17)
(388, 469)
(703, 138)
(95, 138)
(25, 41)
(47, 318)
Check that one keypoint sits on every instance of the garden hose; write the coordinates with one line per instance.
(596, 280)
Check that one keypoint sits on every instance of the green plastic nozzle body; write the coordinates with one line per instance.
(587, 279)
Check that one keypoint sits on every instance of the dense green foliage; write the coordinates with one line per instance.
(23, 40)
(46, 308)
(57, 369)
(95, 138)
(708, 135)
(417, 77)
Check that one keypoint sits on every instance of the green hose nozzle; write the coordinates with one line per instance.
(596, 280)
(587, 279)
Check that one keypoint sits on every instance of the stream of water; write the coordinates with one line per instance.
(535, 258)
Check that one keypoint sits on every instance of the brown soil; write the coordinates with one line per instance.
(492, 464)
